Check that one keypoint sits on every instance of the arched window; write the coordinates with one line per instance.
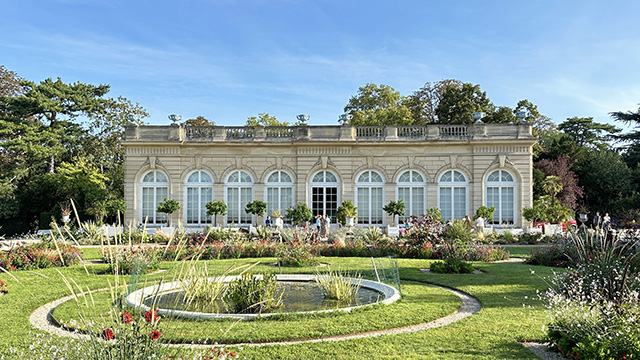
(239, 192)
(410, 189)
(452, 192)
(370, 197)
(278, 192)
(324, 193)
(198, 192)
(154, 188)
(500, 190)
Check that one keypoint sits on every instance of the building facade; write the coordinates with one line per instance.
(456, 168)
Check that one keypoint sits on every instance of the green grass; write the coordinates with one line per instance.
(521, 251)
(511, 313)
(91, 253)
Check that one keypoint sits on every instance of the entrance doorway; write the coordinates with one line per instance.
(324, 189)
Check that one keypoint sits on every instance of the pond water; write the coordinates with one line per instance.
(298, 296)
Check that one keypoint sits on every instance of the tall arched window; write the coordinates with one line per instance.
(154, 188)
(411, 190)
(278, 192)
(370, 197)
(239, 192)
(324, 193)
(198, 192)
(500, 192)
(452, 192)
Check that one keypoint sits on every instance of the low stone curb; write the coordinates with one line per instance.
(42, 318)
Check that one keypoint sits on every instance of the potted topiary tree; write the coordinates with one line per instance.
(257, 208)
(215, 208)
(168, 206)
(299, 214)
(394, 208)
(347, 213)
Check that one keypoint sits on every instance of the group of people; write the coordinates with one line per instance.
(322, 224)
(601, 222)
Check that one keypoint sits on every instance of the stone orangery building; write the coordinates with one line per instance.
(456, 168)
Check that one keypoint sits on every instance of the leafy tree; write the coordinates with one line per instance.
(587, 133)
(299, 214)
(216, 208)
(264, 119)
(561, 168)
(485, 213)
(168, 206)
(632, 138)
(606, 179)
(199, 121)
(42, 109)
(346, 209)
(552, 186)
(10, 83)
(378, 105)
(424, 101)
(394, 208)
(256, 207)
(459, 102)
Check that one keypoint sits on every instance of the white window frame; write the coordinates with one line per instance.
(369, 185)
(157, 218)
(202, 207)
(324, 184)
(279, 185)
(453, 185)
(412, 185)
(238, 185)
(500, 184)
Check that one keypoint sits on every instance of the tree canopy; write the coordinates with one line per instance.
(264, 119)
(378, 105)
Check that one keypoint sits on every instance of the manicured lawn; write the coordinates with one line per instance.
(511, 313)
(92, 253)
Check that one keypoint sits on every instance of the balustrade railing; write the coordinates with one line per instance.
(412, 132)
(239, 132)
(375, 132)
(199, 132)
(454, 131)
(279, 131)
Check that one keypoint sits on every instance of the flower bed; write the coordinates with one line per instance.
(44, 254)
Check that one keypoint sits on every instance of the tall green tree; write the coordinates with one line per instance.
(199, 121)
(631, 139)
(588, 133)
(459, 102)
(423, 102)
(377, 105)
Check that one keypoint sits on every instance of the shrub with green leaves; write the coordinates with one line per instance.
(451, 266)
(135, 259)
(296, 254)
(595, 306)
(45, 254)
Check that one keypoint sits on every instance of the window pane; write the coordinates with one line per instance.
(363, 205)
(246, 197)
(508, 208)
(194, 178)
(147, 205)
(149, 177)
(494, 176)
(458, 177)
(206, 195)
(286, 198)
(446, 177)
(245, 177)
(285, 178)
(377, 200)
(417, 201)
(506, 177)
(330, 177)
(161, 194)
(446, 203)
(319, 177)
(460, 202)
(375, 177)
(405, 177)
(273, 178)
(233, 214)
(233, 178)
(417, 177)
(192, 205)
(364, 177)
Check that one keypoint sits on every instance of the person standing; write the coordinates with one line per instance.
(318, 222)
(596, 220)
(267, 222)
(606, 221)
(480, 224)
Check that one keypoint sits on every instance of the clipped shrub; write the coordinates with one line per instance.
(451, 266)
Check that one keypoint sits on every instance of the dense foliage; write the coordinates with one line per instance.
(40, 255)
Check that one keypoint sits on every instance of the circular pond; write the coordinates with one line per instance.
(301, 295)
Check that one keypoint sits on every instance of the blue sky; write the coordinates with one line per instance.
(229, 59)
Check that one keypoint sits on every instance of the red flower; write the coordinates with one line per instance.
(151, 316)
(155, 334)
(126, 317)
(107, 334)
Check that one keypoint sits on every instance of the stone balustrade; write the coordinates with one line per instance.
(434, 132)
